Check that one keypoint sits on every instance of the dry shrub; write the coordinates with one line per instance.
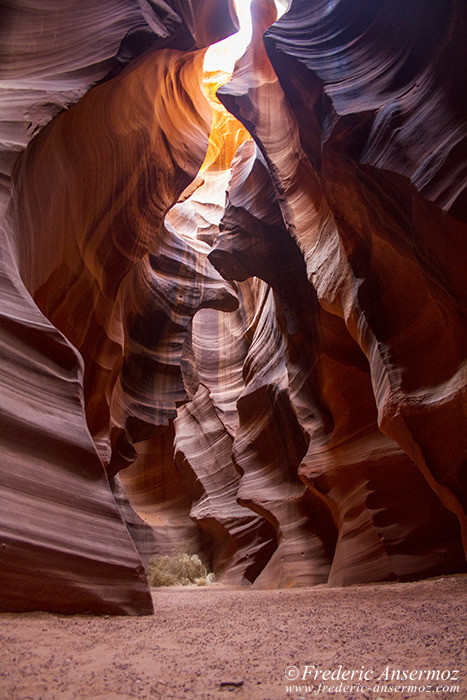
(177, 570)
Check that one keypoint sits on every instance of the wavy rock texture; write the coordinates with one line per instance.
(157, 373)
(364, 478)
(162, 370)
(90, 195)
(220, 345)
(268, 448)
(378, 255)
(64, 546)
(132, 173)
(315, 431)
(242, 542)
(157, 492)
(398, 69)
(44, 71)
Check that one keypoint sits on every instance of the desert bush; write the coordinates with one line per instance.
(177, 570)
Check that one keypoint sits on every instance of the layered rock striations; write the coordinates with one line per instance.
(241, 542)
(369, 254)
(274, 379)
(397, 68)
(353, 471)
(89, 197)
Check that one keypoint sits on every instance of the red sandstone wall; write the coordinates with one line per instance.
(287, 396)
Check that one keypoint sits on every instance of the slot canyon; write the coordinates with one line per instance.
(232, 299)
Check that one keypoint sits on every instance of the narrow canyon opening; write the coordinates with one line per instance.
(232, 297)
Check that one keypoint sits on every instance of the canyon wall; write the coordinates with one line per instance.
(272, 374)
(85, 219)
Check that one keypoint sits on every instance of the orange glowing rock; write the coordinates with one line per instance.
(227, 133)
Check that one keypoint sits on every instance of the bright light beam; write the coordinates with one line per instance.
(222, 56)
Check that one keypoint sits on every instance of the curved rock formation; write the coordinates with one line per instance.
(364, 478)
(88, 205)
(43, 72)
(90, 213)
(362, 232)
(287, 400)
(242, 542)
(157, 492)
(399, 67)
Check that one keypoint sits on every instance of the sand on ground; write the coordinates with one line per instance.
(219, 642)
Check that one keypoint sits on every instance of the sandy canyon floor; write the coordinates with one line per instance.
(220, 642)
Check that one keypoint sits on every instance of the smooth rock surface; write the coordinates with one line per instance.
(264, 354)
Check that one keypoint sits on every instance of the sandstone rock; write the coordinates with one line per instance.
(83, 213)
(327, 381)
(242, 542)
(297, 414)
(363, 251)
